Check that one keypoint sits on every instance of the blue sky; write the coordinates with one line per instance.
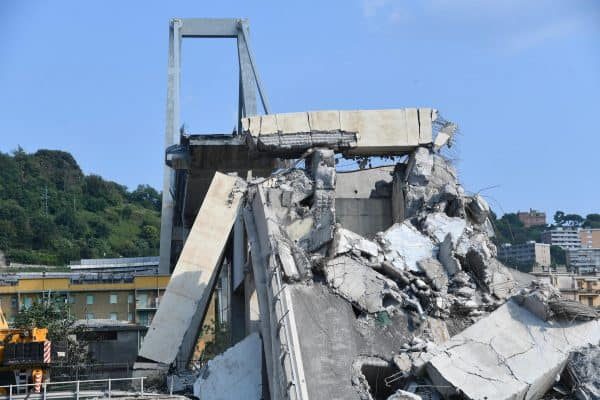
(521, 78)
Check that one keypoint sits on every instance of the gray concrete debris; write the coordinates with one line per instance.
(365, 288)
(447, 258)
(322, 167)
(235, 374)
(339, 307)
(435, 272)
(583, 369)
(345, 241)
(544, 300)
(536, 297)
(477, 209)
(404, 395)
(431, 185)
(405, 246)
(510, 354)
(439, 225)
(491, 274)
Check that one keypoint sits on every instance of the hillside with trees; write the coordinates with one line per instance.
(52, 213)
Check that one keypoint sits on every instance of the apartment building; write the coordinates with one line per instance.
(590, 238)
(526, 255)
(532, 217)
(563, 237)
(583, 260)
(120, 297)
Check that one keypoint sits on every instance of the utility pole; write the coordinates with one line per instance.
(45, 200)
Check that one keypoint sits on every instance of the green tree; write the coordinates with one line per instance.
(87, 216)
(558, 255)
(592, 221)
(573, 220)
(61, 325)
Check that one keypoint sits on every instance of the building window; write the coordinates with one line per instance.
(27, 302)
(130, 317)
(113, 299)
(113, 316)
(89, 299)
(130, 298)
(89, 315)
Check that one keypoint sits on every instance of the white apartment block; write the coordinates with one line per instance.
(564, 237)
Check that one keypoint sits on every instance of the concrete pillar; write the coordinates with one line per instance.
(171, 137)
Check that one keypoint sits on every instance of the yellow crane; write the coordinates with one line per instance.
(24, 356)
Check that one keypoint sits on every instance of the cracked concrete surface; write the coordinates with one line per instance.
(510, 354)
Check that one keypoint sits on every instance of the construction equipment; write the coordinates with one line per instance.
(24, 357)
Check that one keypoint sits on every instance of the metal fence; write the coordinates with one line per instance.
(76, 389)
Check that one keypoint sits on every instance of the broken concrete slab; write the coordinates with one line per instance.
(447, 258)
(510, 354)
(477, 209)
(491, 274)
(367, 289)
(435, 272)
(407, 243)
(439, 225)
(583, 368)
(176, 324)
(235, 374)
(345, 241)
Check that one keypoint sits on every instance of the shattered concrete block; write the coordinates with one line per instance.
(362, 286)
(584, 367)
(345, 241)
(402, 361)
(439, 225)
(491, 273)
(446, 257)
(510, 354)
(439, 330)
(536, 299)
(444, 136)
(420, 167)
(235, 374)
(435, 272)
(406, 242)
(477, 209)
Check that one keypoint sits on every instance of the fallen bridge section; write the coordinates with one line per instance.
(510, 354)
(358, 132)
(175, 327)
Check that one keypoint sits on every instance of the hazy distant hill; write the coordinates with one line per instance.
(51, 213)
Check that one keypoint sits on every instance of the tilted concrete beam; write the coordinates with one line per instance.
(176, 324)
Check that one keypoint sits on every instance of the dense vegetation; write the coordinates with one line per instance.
(51, 213)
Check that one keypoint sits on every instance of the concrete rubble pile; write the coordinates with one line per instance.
(417, 307)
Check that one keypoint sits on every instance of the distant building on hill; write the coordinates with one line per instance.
(532, 218)
(525, 256)
(567, 238)
(590, 238)
(583, 260)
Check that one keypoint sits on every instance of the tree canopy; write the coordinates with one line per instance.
(52, 213)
